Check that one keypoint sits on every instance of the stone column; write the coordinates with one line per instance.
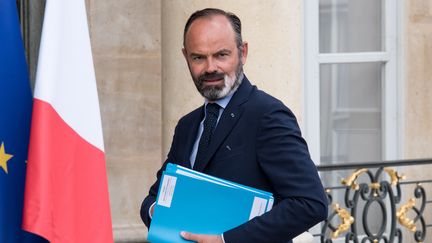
(126, 39)
(417, 58)
(418, 78)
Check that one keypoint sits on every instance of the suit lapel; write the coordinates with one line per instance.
(190, 135)
(227, 121)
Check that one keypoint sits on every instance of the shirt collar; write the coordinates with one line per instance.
(222, 102)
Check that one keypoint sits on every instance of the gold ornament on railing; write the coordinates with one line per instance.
(402, 215)
(395, 177)
(351, 180)
(346, 219)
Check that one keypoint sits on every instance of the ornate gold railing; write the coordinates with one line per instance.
(372, 192)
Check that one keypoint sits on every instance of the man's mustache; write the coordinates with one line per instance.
(211, 76)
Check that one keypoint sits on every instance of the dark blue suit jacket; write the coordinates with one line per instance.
(258, 143)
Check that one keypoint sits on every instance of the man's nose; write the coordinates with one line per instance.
(211, 65)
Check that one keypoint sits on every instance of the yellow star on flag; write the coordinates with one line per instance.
(4, 157)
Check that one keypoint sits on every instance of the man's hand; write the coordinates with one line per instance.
(201, 238)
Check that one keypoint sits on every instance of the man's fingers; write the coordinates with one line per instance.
(190, 236)
(200, 238)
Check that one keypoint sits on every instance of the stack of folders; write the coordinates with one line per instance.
(195, 202)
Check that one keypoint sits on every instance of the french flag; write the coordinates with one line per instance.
(66, 194)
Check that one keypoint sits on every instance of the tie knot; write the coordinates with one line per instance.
(212, 108)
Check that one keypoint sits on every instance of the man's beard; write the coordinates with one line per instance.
(215, 92)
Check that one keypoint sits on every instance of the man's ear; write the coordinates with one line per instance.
(244, 52)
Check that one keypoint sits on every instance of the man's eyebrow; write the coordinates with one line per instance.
(223, 50)
(195, 54)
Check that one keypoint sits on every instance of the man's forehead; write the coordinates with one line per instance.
(213, 22)
(214, 26)
(212, 18)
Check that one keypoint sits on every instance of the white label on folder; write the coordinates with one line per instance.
(167, 190)
(258, 207)
(270, 204)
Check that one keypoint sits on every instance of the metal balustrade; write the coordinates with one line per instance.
(396, 203)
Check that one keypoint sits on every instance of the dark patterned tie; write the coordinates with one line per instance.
(212, 113)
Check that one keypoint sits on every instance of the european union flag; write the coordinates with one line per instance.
(15, 115)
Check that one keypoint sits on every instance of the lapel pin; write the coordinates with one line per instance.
(228, 147)
(232, 115)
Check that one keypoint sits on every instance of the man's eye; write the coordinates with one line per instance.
(223, 54)
(196, 58)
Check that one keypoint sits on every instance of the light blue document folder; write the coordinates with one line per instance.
(195, 202)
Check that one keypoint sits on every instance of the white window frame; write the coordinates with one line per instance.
(392, 109)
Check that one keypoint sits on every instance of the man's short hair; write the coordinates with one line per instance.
(209, 12)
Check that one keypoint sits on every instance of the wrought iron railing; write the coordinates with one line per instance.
(378, 192)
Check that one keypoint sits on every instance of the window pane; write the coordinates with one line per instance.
(350, 112)
(350, 25)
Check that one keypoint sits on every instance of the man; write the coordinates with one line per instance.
(256, 141)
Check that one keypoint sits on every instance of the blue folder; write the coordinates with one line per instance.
(192, 173)
(195, 202)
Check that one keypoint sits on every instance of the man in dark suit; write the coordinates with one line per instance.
(254, 139)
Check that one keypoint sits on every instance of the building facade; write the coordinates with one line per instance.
(355, 73)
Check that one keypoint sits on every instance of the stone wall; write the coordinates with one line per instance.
(418, 78)
(417, 61)
(126, 43)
